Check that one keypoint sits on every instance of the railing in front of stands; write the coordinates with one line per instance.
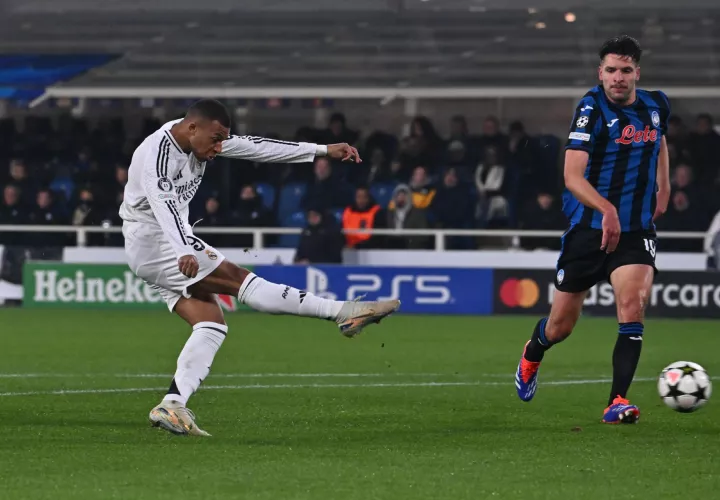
(258, 233)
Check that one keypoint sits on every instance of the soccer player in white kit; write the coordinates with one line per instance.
(164, 175)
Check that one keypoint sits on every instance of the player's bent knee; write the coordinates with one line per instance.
(631, 308)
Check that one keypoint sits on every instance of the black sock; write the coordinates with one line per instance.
(538, 343)
(625, 358)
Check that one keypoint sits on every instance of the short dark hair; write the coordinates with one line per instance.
(622, 45)
(210, 109)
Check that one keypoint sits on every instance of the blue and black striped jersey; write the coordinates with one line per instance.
(624, 145)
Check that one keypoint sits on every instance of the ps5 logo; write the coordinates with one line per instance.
(425, 289)
(317, 284)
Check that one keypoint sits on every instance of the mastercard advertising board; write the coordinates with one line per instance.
(520, 291)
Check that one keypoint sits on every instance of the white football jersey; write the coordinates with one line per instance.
(162, 179)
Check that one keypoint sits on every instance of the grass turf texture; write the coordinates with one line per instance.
(382, 435)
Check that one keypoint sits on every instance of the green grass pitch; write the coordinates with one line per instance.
(417, 408)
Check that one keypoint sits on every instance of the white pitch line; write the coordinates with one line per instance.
(265, 375)
(308, 386)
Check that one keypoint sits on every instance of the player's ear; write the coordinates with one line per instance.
(637, 74)
(600, 71)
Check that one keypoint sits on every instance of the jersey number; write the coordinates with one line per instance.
(650, 246)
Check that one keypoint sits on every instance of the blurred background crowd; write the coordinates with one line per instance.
(65, 171)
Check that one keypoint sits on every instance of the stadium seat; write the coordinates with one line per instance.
(382, 193)
(295, 219)
(291, 196)
(267, 192)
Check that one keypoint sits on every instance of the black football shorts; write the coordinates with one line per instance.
(582, 264)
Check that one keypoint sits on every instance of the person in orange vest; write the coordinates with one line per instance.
(363, 214)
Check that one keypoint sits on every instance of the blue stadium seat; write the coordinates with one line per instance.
(295, 219)
(382, 193)
(291, 196)
(267, 192)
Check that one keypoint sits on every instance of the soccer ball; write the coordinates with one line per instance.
(684, 386)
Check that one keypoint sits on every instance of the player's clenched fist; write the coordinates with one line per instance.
(188, 265)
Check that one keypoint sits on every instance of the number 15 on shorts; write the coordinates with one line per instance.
(650, 246)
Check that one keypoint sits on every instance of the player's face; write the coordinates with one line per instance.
(618, 75)
(206, 138)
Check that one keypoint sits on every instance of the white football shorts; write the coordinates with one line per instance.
(153, 260)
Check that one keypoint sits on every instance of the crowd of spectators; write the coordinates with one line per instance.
(72, 174)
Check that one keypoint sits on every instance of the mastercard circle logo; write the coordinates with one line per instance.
(519, 293)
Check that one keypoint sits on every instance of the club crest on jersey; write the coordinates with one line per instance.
(630, 135)
(211, 255)
(582, 122)
(655, 119)
(164, 184)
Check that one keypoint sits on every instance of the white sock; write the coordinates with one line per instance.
(272, 298)
(194, 362)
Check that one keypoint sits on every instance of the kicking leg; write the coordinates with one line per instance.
(564, 313)
(632, 285)
(202, 312)
(272, 298)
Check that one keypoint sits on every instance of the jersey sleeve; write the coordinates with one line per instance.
(665, 111)
(160, 193)
(583, 133)
(260, 149)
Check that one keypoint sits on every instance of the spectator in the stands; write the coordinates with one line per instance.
(533, 175)
(682, 179)
(676, 140)
(89, 213)
(462, 148)
(425, 147)
(363, 214)
(46, 213)
(542, 213)
(337, 131)
(494, 187)
(213, 216)
(12, 213)
(683, 214)
(704, 147)
(422, 188)
(322, 241)
(452, 208)
(326, 191)
(402, 214)
(121, 179)
(20, 178)
(492, 137)
(250, 212)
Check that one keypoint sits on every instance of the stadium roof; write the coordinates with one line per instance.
(467, 44)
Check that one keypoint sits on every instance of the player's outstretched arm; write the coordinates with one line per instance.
(575, 164)
(266, 150)
(663, 180)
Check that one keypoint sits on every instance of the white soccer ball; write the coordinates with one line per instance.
(684, 386)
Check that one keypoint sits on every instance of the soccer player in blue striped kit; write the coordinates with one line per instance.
(616, 184)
